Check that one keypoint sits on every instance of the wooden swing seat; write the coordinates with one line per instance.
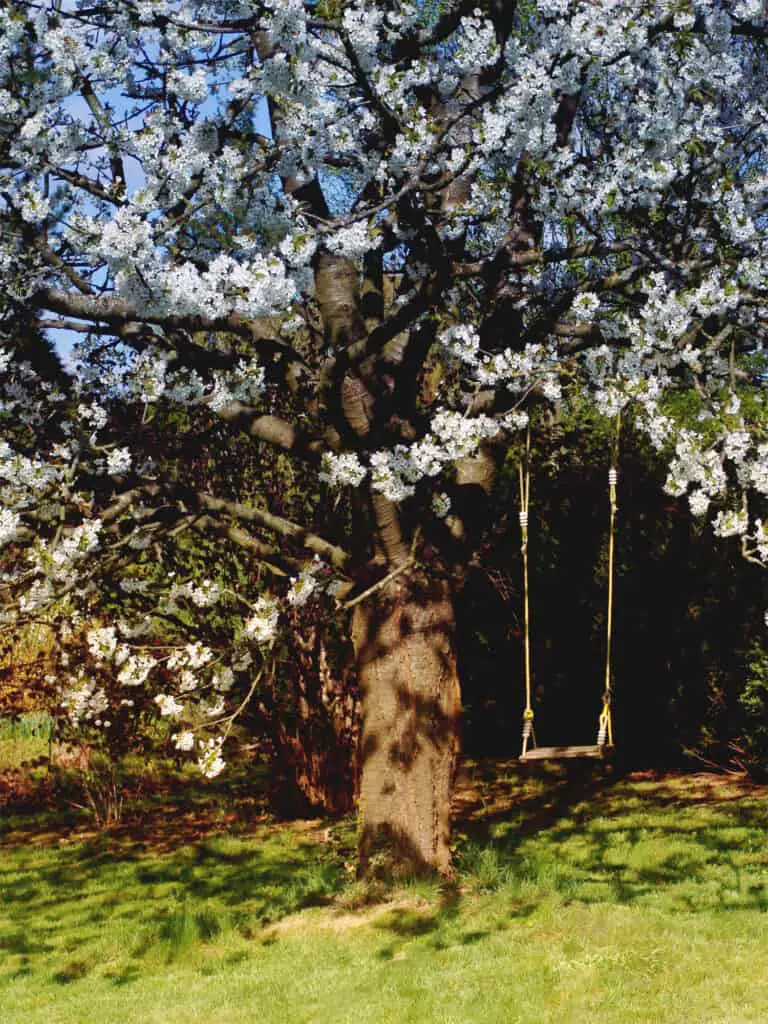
(562, 753)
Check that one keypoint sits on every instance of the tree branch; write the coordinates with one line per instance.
(337, 556)
(275, 431)
(117, 312)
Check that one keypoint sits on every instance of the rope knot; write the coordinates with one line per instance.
(613, 476)
(523, 519)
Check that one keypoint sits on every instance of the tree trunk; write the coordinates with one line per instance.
(404, 639)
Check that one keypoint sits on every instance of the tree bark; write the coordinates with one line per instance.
(404, 640)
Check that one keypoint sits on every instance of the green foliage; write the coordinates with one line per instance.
(754, 703)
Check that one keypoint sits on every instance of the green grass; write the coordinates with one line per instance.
(33, 725)
(24, 739)
(642, 900)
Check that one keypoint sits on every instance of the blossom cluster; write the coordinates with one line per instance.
(574, 206)
(189, 682)
(394, 472)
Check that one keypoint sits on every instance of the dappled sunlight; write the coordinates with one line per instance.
(678, 843)
(112, 901)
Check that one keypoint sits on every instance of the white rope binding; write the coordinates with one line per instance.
(613, 477)
(523, 518)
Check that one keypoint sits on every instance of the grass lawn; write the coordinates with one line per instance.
(637, 899)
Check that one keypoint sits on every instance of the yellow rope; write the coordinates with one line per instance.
(524, 476)
(605, 722)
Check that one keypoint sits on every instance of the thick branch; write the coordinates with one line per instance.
(388, 532)
(191, 501)
(274, 431)
(337, 556)
(117, 312)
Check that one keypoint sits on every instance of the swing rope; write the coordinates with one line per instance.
(605, 722)
(524, 476)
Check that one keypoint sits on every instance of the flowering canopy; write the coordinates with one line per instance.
(291, 218)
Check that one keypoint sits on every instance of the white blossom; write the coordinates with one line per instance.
(168, 706)
(102, 643)
(86, 702)
(303, 586)
(758, 473)
(119, 461)
(342, 470)
(585, 306)
(223, 679)
(731, 523)
(352, 241)
(184, 740)
(209, 760)
(261, 627)
(736, 445)
(135, 670)
(34, 206)
(441, 505)
(698, 501)
(192, 87)
(10, 522)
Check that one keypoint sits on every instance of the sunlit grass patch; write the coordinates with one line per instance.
(24, 739)
(32, 725)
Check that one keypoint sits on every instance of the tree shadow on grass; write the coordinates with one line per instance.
(437, 928)
(76, 896)
(578, 834)
(685, 843)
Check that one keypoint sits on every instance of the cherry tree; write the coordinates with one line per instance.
(375, 240)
